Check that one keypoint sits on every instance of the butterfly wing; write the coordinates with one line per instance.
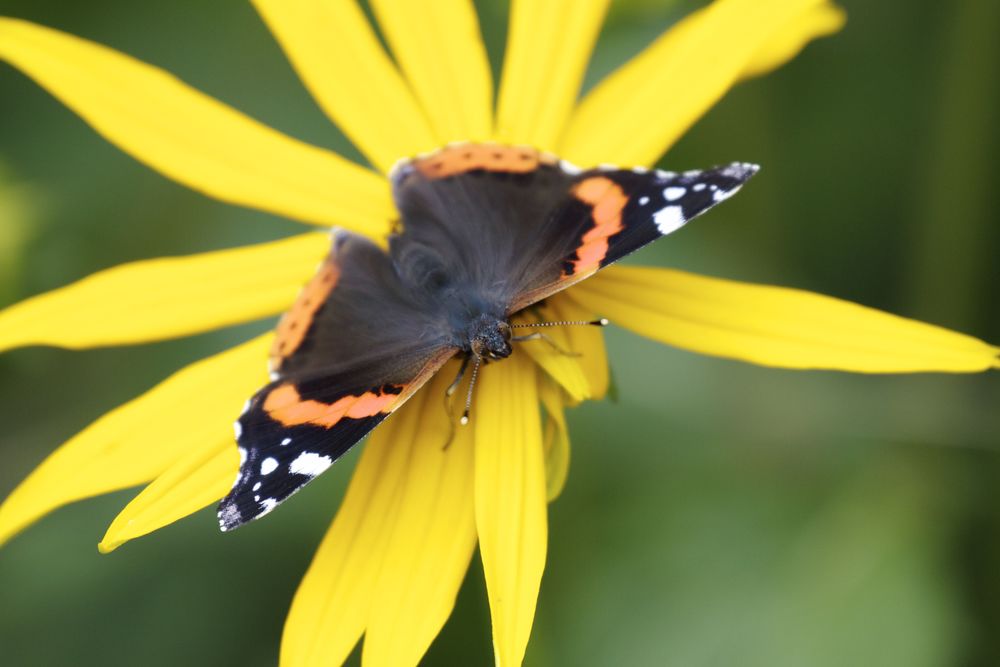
(607, 214)
(353, 348)
(519, 225)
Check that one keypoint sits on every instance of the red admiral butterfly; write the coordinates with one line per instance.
(487, 231)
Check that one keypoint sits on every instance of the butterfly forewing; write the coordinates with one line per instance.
(347, 355)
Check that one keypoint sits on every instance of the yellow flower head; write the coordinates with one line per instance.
(391, 564)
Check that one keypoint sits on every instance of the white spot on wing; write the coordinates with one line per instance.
(268, 465)
(243, 455)
(669, 219)
(229, 517)
(698, 187)
(723, 195)
(237, 429)
(643, 201)
(267, 505)
(310, 463)
(673, 193)
(256, 487)
(246, 406)
(569, 168)
(286, 441)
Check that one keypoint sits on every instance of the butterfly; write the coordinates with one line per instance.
(485, 231)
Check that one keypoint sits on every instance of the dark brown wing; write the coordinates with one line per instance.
(507, 226)
(355, 346)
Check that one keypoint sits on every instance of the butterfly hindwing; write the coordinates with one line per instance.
(352, 349)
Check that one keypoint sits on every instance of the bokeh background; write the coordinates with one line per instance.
(716, 513)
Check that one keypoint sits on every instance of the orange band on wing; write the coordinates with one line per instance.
(285, 405)
(461, 158)
(296, 322)
(607, 201)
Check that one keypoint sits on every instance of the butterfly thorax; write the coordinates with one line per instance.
(488, 337)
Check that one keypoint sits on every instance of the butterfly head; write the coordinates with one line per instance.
(489, 338)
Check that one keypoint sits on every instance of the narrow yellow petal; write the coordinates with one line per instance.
(433, 538)
(391, 512)
(555, 354)
(168, 297)
(776, 326)
(638, 112)
(134, 443)
(439, 48)
(557, 448)
(587, 341)
(510, 501)
(336, 53)
(197, 480)
(195, 139)
(548, 47)
(789, 40)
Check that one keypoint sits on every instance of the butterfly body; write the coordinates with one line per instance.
(485, 232)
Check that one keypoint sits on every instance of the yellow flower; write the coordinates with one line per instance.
(391, 563)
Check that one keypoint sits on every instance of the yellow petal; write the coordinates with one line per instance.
(556, 440)
(776, 326)
(438, 46)
(790, 39)
(168, 297)
(548, 47)
(638, 112)
(433, 538)
(134, 443)
(510, 501)
(555, 354)
(342, 592)
(336, 53)
(587, 341)
(195, 139)
(197, 480)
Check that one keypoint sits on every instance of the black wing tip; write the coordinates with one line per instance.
(229, 516)
(741, 171)
(232, 513)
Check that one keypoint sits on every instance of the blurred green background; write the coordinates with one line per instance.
(718, 513)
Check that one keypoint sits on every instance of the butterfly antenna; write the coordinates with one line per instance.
(603, 322)
(468, 397)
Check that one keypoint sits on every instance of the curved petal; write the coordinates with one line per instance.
(195, 139)
(555, 354)
(197, 480)
(638, 112)
(373, 552)
(510, 501)
(139, 440)
(776, 326)
(556, 439)
(167, 297)
(439, 48)
(789, 40)
(339, 59)
(548, 47)
(588, 342)
(433, 538)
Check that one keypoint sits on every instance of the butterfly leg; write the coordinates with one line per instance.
(540, 336)
(449, 405)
